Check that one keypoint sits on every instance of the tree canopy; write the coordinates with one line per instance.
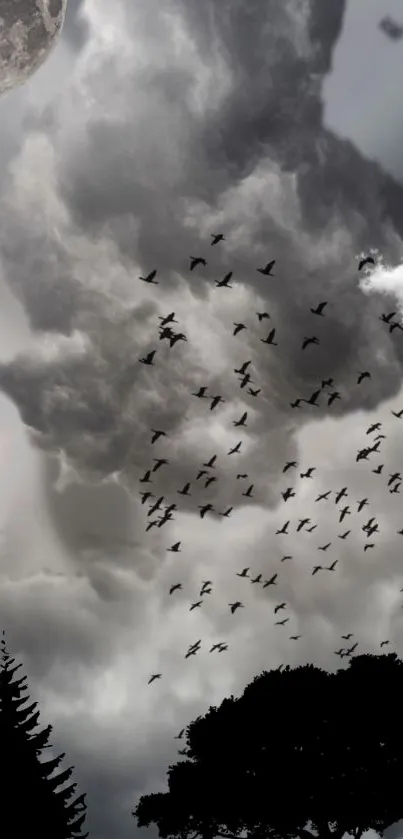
(36, 801)
(300, 752)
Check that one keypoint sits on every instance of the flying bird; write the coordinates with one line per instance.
(201, 393)
(307, 341)
(271, 582)
(184, 490)
(319, 308)
(238, 328)
(362, 376)
(157, 434)
(243, 368)
(241, 421)
(324, 496)
(146, 478)
(266, 271)
(333, 396)
(368, 260)
(149, 358)
(159, 461)
(262, 316)
(283, 529)
(195, 605)
(312, 399)
(197, 260)
(332, 566)
(270, 339)
(282, 623)
(167, 319)
(248, 493)
(254, 392)
(204, 508)
(289, 465)
(225, 282)
(175, 587)
(316, 569)
(150, 278)
(235, 606)
(217, 237)
(279, 607)
(236, 449)
(175, 548)
(154, 677)
(289, 493)
(215, 401)
(210, 464)
(210, 481)
(243, 573)
(398, 414)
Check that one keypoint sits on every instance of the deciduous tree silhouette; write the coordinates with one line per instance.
(302, 752)
(31, 799)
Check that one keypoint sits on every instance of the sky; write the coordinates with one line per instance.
(143, 134)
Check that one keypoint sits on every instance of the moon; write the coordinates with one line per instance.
(29, 30)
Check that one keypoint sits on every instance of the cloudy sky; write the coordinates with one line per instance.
(145, 133)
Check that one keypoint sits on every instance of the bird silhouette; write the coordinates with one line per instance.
(145, 496)
(238, 328)
(284, 558)
(368, 546)
(312, 399)
(266, 271)
(344, 512)
(307, 341)
(316, 569)
(297, 403)
(368, 260)
(210, 464)
(398, 414)
(289, 493)
(196, 260)
(184, 490)
(348, 636)
(362, 376)
(324, 547)
(175, 587)
(243, 573)
(332, 566)
(270, 339)
(243, 368)
(283, 529)
(149, 358)
(302, 523)
(225, 282)
(319, 308)
(154, 677)
(175, 548)
(241, 421)
(227, 512)
(324, 496)
(257, 579)
(309, 472)
(195, 605)
(248, 493)
(262, 316)
(217, 237)
(150, 278)
(204, 508)
(146, 478)
(279, 607)
(376, 426)
(384, 643)
(215, 401)
(362, 504)
(342, 493)
(180, 735)
(344, 535)
(209, 481)
(271, 582)
(167, 319)
(282, 623)
(235, 606)
(253, 392)
(157, 434)
(378, 469)
(295, 637)
(159, 461)
(236, 449)
(333, 396)
(290, 464)
(201, 393)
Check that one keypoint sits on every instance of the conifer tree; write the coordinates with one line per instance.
(30, 796)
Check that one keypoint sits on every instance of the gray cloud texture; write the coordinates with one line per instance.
(175, 125)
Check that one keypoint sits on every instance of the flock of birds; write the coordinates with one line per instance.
(159, 514)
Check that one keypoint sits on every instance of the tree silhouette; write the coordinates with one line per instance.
(29, 794)
(301, 753)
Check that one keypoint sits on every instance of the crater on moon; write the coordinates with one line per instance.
(29, 30)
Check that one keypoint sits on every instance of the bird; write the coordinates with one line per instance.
(312, 399)
(257, 579)
(297, 403)
(196, 260)
(333, 396)
(341, 494)
(215, 401)
(289, 493)
(395, 488)
(290, 464)
(309, 472)
(319, 308)
(361, 504)
(394, 476)
(245, 380)
(332, 566)
(159, 461)
(184, 490)
(348, 636)
(200, 474)
(180, 735)
(157, 434)
(243, 475)
(362, 376)
(266, 271)
(155, 507)
(344, 535)
(283, 529)
(201, 393)
(178, 336)
(327, 383)
(284, 558)
(367, 546)
(210, 464)
(324, 547)
(225, 282)
(368, 260)
(145, 496)
(236, 449)
(316, 569)
(243, 368)
(295, 637)
(302, 523)
(204, 508)
(254, 392)
(270, 339)
(154, 677)
(150, 278)
(271, 582)
(175, 548)
(307, 341)
(175, 587)
(279, 607)
(238, 328)
(235, 606)
(376, 426)
(227, 512)
(282, 623)
(241, 421)
(323, 496)
(248, 493)
(243, 573)
(210, 481)
(386, 318)
(167, 319)
(262, 316)
(378, 469)
(384, 643)
(195, 605)
(398, 414)
(146, 478)
(149, 358)
(217, 237)
(312, 528)
(344, 512)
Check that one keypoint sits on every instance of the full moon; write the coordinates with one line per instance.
(29, 30)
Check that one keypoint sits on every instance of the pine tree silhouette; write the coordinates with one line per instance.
(30, 797)
(300, 750)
